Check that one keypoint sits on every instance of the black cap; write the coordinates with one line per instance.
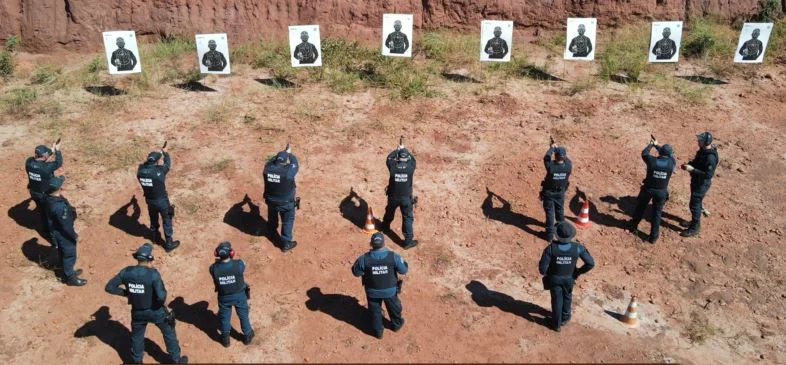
(403, 154)
(153, 156)
(377, 240)
(665, 150)
(705, 138)
(565, 232)
(41, 151)
(282, 157)
(55, 183)
(144, 252)
(223, 249)
(560, 152)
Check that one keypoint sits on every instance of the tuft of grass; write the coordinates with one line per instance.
(170, 46)
(770, 10)
(7, 56)
(713, 42)
(44, 75)
(776, 47)
(624, 54)
(700, 329)
(554, 44)
(581, 85)
(698, 94)
(219, 166)
(218, 112)
(269, 54)
(19, 102)
(448, 48)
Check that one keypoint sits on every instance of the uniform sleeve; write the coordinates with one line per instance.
(402, 267)
(391, 160)
(646, 152)
(294, 166)
(358, 269)
(708, 170)
(547, 158)
(212, 276)
(545, 260)
(167, 162)
(158, 288)
(589, 262)
(412, 162)
(65, 222)
(58, 160)
(113, 286)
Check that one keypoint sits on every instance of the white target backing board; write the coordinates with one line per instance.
(496, 40)
(581, 36)
(122, 52)
(752, 43)
(665, 42)
(304, 46)
(213, 53)
(397, 35)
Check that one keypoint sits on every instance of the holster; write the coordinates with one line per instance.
(399, 284)
(171, 211)
(170, 317)
(297, 203)
(546, 282)
(248, 292)
(414, 201)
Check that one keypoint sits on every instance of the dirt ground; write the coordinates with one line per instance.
(473, 293)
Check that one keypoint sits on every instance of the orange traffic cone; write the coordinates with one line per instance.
(631, 318)
(583, 220)
(369, 228)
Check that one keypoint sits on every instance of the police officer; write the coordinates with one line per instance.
(558, 265)
(147, 295)
(232, 291)
(655, 187)
(62, 216)
(380, 269)
(554, 185)
(152, 177)
(279, 175)
(701, 169)
(40, 169)
(496, 48)
(397, 41)
(401, 165)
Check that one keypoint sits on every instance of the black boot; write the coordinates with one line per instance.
(76, 281)
(288, 245)
(409, 244)
(183, 360)
(633, 226)
(248, 338)
(652, 239)
(170, 244)
(692, 231)
(225, 339)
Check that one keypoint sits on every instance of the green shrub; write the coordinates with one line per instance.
(770, 10)
(625, 54)
(170, 46)
(7, 56)
(43, 75)
(454, 49)
(272, 55)
(19, 102)
(96, 65)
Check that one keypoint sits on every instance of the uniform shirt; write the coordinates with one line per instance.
(651, 161)
(154, 186)
(359, 268)
(228, 265)
(548, 163)
(307, 53)
(137, 274)
(584, 255)
(280, 180)
(704, 164)
(39, 172)
(401, 175)
(63, 215)
(399, 41)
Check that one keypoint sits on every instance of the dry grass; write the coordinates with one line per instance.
(700, 329)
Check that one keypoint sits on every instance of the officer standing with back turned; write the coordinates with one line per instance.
(558, 265)
(40, 168)
(279, 175)
(554, 186)
(232, 291)
(152, 177)
(380, 269)
(701, 169)
(147, 295)
(62, 215)
(401, 166)
(655, 187)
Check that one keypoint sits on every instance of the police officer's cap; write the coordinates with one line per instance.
(144, 252)
(41, 151)
(565, 232)
(403, 154)
(377, 240)
(665, 150)
(56, 182)
(282, 157)
(705, 138)
(561, 152)
(153, 156)
(223, 249)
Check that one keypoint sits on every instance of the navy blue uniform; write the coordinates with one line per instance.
(558, 263)
(704, 164)
(380, 269)
(146, 294)
(62, 215)
(231, 288)
(554, 186)
(152, 177)
(38, 175)
(655, 188)
(399, 192)
(279, 194)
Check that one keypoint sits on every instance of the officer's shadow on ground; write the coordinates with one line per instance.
(44, 256)
(117, 336)
(354, 209)
(199, 316)
(129, 224)
(26, 216)
(344, 308)
(249, 221)
(625, 205)
(505, 215)
(485, 297)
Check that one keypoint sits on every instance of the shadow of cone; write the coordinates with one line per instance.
(631, 317)
(369, 226)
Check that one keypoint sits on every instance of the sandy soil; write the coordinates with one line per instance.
(473, 293)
